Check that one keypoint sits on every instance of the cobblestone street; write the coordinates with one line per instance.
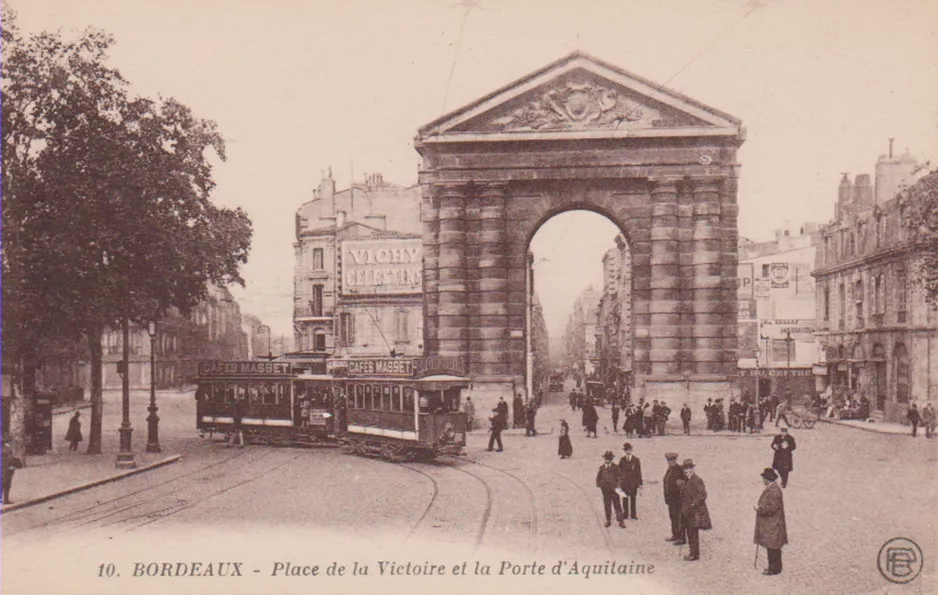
(850, 492)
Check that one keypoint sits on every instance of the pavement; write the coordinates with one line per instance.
(60, 472)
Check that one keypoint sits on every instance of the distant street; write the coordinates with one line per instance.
(849, 493)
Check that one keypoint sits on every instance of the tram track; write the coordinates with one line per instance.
(531, 497)
(92, 514)
(597, 515)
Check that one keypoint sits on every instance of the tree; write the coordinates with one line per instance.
(921, 203)
(108, 200)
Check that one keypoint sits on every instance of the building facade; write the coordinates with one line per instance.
(614, 319)
(358, 280)
(877, 334)
(579, 338)
(777, 314)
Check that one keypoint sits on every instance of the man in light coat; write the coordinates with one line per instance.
(694, 513)
(771, 530)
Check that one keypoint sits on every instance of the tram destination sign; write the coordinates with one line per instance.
(381, 367)
(247, 368)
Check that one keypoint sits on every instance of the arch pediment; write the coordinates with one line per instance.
(580, 97)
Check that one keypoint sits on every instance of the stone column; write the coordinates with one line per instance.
(488, 335)
(452, 326)
(431, 270)
(729, 215)
(705, 288)
(664, 307)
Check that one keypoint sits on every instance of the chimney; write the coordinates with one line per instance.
(891, 141)
(327, 195)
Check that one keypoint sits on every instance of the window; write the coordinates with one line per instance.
(315, 304)
(861, 237)
(903, 373)
(902, 295)
(317, 259)
(880, 226)
(858, 297)
(879, 294)
(401, 326)
(346, 329)
(853, 245)
(765, 270)
(319, 341)
(827, 303)
(782, 352)
(841, 312)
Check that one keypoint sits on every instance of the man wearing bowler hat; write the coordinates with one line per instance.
(608, 480)
(771, 530)
(784, 445)
(630, 479)
(673, 482)
(694, 513)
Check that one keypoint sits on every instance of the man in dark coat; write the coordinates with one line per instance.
(73, 435)
(771, 530)
(10, 465)
(694, 513)
(708, 411)
(499, 421)
(673, 482)
(630, 479)
(607, 480)
(502, 408)
(590, 418)
(914, 418)
(685, 419)
(662, 418)
(784, 445)
(615, 416)
(237, 432)
(518, 412)
(530, 414)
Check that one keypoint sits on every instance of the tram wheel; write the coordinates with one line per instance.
(809, 423)
(796, 422)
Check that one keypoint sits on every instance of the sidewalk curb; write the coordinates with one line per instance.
(90, 484)
(874, 430)
(72, 408)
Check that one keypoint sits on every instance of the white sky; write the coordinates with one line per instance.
(299, 86)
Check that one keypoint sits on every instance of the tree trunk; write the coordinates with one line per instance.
(23, 408)
(97, 402)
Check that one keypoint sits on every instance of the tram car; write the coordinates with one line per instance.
(405, 418)
(415, 414)
(277, 404)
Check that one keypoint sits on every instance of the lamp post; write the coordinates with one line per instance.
(125, 456)
(153, 421)
(766, 351)
(788, 341)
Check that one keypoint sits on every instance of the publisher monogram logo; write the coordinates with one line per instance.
(900, 560)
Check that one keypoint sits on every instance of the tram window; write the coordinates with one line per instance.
(396, 396)
(386, 397)
(451, 400)
(270, 394)
(255, 394)
(408, 398)
(242, 392)
(367, 403)
(359, 396)
(218, 393)
(283, 393)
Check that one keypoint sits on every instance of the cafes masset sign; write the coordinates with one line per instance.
(407, 367)
(376, 267)
(248, 368)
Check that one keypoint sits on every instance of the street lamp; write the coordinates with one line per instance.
(153, 422)
(125, 456)
(788, 341)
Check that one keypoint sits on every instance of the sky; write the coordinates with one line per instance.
(298, 87)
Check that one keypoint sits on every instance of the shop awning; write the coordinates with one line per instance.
(441, 382)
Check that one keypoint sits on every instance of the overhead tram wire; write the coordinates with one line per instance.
(753, 6)
(468, 5)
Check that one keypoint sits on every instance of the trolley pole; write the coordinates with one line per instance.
(153, 421)
(125, 457)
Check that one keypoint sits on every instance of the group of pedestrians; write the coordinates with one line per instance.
(643, 420)
(926, 418)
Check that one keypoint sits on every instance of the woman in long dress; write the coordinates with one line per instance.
(565, 448)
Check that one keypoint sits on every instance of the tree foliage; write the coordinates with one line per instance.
(106, 198)
(921, 200)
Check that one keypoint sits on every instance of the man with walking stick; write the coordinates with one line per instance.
(771, 530)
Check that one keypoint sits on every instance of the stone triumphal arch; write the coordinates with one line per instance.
(583, 134)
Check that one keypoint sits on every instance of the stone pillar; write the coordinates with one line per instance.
(665, 296)
(452, 313)
(729, 215)
(705, 288)
(431, 270)
(488, 335)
